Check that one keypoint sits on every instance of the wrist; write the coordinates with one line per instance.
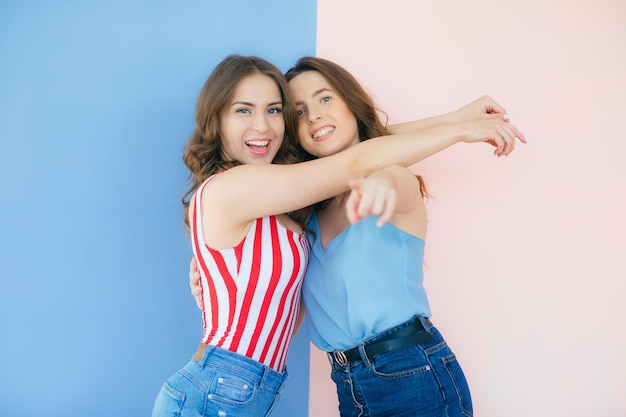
(452, 133)
(451, 117)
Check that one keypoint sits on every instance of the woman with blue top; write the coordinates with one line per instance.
(363, 289)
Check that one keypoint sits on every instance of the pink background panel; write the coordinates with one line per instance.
(525, 254)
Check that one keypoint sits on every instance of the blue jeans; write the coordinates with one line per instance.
(418, 381)
(220, 383)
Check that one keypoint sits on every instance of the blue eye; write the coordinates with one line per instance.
(300, 112)
(242, 111)
(275, 110)
(326, 99)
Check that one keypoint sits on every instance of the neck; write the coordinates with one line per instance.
(340, 199)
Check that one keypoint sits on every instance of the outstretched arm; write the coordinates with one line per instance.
(387, 192)
(278, 189)
(483, 107)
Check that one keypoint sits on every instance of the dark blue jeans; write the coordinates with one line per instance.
(418, 381)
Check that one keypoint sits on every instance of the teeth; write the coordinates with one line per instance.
(323, 132)
(257, 142)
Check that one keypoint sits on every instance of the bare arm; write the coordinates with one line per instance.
(301, 313)
(482, 107)
(387, 192)
(194, 282)
(241, 194)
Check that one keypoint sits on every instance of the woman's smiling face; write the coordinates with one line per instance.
(325, 123)
(252, 125)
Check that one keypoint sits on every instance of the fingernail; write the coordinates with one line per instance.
(506, 116)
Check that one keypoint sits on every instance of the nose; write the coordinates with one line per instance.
(313, 116)
(260, 123)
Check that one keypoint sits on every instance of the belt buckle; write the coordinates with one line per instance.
(340, 357)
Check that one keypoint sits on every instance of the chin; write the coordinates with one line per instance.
(324, 151)
(259, 161)
(265, 159)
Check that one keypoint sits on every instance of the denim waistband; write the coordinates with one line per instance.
(414, 331)
(379, 336)
(242, 364)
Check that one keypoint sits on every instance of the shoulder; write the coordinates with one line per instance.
(404, 177)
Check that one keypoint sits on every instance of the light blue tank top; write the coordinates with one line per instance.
(367, 280)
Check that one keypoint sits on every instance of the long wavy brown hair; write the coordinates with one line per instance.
(203, 155)
(358, 101)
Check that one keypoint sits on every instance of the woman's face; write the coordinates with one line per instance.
(252, 125)
(325, 123)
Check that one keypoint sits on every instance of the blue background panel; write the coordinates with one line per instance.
(96, 103)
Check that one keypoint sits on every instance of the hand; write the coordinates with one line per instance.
(371, 197)
(496, 132)
(194, 282)
(484, 107)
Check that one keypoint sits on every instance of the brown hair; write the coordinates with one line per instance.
(203, 154)
(358, 101)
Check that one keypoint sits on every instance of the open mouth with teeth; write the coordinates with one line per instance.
(323, 132)
(258, 146)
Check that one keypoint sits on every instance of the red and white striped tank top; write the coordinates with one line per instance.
(251, 293)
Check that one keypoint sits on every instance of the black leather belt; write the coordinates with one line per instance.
(410, 335)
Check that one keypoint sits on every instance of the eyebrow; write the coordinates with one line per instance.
(247, 103)
(315, 93)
